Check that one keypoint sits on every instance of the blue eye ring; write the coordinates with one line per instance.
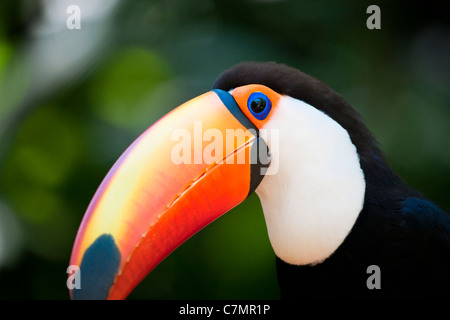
(259, 105)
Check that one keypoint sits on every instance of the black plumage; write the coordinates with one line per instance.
(398, 229)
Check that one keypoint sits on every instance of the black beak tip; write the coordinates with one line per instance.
(98, 269)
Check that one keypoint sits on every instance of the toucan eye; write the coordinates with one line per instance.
(259, 105)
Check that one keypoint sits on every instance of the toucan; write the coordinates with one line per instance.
(335, 211)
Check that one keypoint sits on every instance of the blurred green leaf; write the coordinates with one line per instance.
(123, 90)
(6, 52)
(45, 150)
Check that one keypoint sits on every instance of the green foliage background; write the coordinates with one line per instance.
(72, 100)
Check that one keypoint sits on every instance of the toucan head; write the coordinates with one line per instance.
(264, 127)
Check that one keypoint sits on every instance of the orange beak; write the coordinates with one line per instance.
(186, 170)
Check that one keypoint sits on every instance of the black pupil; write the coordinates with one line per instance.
(258, 105)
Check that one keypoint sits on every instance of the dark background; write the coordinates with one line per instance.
(72, 100)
